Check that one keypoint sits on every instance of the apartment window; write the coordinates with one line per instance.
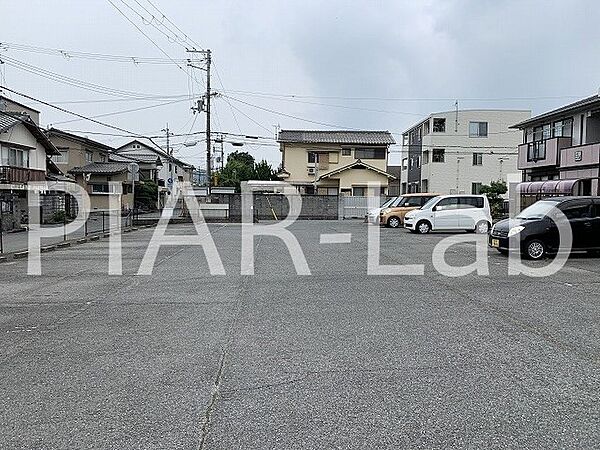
(403, 188)
(477, 159)
(100, 188)
(63, 158)
(405, 139)
(346, 152)
(439, 155)
(476, 188)
(426, 128)
(405, 163)
(424, 185)
(439, 125)
(89, 157)
(417, 162)
(563, 128)
(478, 129)
(370, 153)
(426, 157)
(15, 157)
(536, 151)
(359, 191)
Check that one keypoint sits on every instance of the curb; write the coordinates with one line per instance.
(65, 244)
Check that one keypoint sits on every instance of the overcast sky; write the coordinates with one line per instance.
(409, 58)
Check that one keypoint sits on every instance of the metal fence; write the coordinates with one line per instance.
(356, 207)
(97, 223)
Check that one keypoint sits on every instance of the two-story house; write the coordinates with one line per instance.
(24, 151)
(335, 162)
(90, 163)
(560, 150)
(456, 152)
(76, 151)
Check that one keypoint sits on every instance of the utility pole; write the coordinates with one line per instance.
(204, 106)
(208, 141)
(170, 154)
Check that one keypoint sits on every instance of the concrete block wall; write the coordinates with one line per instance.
(313, 206)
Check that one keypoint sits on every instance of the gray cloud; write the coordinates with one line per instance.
(388, 49)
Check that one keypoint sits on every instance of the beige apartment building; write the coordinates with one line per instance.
(335, 162)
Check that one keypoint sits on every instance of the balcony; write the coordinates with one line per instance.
(542, 153)
(9, 174)
(580, 156)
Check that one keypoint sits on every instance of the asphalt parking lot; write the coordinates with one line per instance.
(338, 359)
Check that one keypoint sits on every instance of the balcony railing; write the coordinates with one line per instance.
(9, 174)
(542, 153)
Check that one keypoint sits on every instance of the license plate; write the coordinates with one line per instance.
(495, 243)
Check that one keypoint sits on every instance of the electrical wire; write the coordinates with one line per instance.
(125, 111)
(196, 45)
(289, 115)
(69, 54)
(89, 119)
(73, 82)
(406, 99)
(147, 37)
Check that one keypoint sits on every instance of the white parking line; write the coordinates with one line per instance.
(335, 238)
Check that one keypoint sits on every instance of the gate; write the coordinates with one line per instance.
(356, 207)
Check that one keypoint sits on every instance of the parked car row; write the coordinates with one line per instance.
(535, 231)
(425, 212)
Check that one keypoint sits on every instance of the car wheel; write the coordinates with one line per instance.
(393, 222)
(535, 249)
(482, 227)
(423, 227)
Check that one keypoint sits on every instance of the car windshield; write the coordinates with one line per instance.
(430, 203)
(537, 210)
(388, 202)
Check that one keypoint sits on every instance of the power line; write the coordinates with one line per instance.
(407, 99)
(89, 119)
(147, 37)
(125, 111)
(150, 22)
(69, 54)
(196, 45)
(289, 115)
(74, 82)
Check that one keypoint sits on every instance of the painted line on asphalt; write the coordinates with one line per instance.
(335, 238)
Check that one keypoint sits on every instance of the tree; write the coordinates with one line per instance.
(241, 167)
(494, 191)
(146, 195)
(264, 171)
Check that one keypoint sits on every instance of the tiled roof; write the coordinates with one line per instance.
(102, 168)
(583, 103)
(337, 137)
(10, 119)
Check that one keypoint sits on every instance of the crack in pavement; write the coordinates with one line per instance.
(230, 335)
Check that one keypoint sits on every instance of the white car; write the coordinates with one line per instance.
(451, 212)
(373, 214)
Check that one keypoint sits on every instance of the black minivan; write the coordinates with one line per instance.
(538, 234)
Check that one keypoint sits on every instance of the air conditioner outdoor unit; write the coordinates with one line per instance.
(311, 170)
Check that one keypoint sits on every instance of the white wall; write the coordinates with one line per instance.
(19, 134)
